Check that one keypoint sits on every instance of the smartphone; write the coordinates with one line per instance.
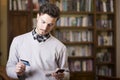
(60, 71)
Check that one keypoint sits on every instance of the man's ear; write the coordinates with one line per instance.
(38, 15)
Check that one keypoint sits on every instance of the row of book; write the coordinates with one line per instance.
(64, 5)
(104, 71)
(34, 21)
(80, 20)
(75, 5)
(19, 5)
(82, 50)
(103, 56)
(105, 39)
(25, 5)
(74, 36)
(105, 5)
(104, 21)
(38, 3)
(68, 21)
(81, 65)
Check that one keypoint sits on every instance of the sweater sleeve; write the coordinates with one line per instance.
(12, 60)
(63, 62)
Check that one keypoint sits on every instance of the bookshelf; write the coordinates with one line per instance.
(76, 29)
(86, 27)
(106, 38)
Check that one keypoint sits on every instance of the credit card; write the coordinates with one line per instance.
(25, 62)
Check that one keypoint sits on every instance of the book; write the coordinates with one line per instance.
(111, 6)
(104, 2)
(10, 4)
(34, 20)
(14, 5)
(19, 5)
(77, 65)
(84, 36)
(42, 2)
(84, 66)
(35, 5)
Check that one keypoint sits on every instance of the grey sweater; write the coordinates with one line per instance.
(43, 57)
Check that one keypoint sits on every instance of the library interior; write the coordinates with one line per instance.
(88, 28)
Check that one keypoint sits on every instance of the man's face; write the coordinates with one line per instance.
(45, 24)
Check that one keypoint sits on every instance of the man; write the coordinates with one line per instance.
(37, 55)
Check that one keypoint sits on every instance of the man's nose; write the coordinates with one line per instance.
(45, 26)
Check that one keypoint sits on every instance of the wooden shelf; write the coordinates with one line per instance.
(80, 57)
(74, 27)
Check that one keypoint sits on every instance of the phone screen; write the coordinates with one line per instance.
(60, 70)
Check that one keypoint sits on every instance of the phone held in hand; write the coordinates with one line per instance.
(60, 70)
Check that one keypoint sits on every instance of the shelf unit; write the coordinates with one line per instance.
(105, 46)
(86, 27)
(76, 29)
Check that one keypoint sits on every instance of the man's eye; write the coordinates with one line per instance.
(43, 21)
(50, 25)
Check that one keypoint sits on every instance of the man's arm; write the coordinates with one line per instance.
(12, 60)
(63, 63)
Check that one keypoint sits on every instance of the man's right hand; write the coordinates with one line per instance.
(20, 68)
(58, 75)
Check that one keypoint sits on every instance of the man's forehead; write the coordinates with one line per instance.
(48, 19)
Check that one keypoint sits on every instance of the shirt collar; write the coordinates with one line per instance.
(40, 38)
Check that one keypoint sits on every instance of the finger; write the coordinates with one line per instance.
(20, 71)
(21, 63)
(57, 69)
(20, 67)
(55, 75)
(60, 75)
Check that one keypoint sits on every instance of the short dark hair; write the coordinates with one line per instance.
(50, 9)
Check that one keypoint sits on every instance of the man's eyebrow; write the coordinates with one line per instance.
(46, 22)
(42, 19)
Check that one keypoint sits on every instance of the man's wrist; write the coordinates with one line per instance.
(21, 77)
